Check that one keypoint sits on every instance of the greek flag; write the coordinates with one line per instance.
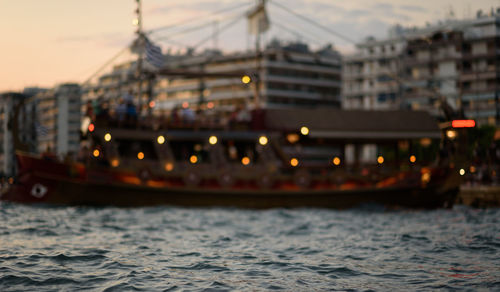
(154, 55)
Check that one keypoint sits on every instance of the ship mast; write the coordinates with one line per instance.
(140, 52)
(258, 25)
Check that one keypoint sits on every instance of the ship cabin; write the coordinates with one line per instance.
(301, 147)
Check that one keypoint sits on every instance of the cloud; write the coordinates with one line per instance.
(413, 8)
(388, 11)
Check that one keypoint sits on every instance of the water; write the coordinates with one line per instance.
(179, 249)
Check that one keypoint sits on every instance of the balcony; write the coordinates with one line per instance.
(470, 75)
(476, 90)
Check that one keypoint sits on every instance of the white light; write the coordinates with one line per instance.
(451, 134)
(462, 171)
(304, 131)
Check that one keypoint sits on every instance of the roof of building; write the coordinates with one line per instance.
(355, 124)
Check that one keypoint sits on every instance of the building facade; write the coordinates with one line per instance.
(370, 77)
(454, 62)
(59, 117)
(289, 75)
(26, 126)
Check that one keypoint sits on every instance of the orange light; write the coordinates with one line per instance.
(210, 105)
(380, 159)
(413, 159)
(193, 159)
(96, 153)
(152, 104)
(245, 161)
(169, 166)
(140, 155)
(292, 138)
(185, 104)
(115, 162)
(91, 128)
(294, 162)
(336, 161)
(463, 124)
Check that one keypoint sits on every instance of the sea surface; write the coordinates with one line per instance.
(45, 248)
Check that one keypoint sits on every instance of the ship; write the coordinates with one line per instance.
(281, 158)
(273, 158)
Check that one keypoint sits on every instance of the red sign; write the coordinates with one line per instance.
(463, 124)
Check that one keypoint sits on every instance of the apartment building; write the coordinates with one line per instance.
(454, 61)
(10, 102)
(290, 75)
(59, 115)
(371, 75)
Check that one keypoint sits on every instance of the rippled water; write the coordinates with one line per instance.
(178, 249)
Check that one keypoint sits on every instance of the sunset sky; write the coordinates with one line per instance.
(53, 41)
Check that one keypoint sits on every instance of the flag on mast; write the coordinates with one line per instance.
(258, 21)
(154, 56)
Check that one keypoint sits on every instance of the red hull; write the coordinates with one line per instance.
(48, 181)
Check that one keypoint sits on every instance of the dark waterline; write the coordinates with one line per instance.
(177, 249)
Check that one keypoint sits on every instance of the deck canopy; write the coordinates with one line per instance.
(355, 124)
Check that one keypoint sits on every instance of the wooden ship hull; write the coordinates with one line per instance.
(44, 181)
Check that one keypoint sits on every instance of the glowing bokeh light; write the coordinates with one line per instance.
(304, 131)
(169, 166)
(115, 162)
(212, 140)
(245, 161)
(246, 79)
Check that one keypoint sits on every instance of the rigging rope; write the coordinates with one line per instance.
(297, 34)
(313, 22)
(107, 63)
(181, 32)
(225, 27)
(154, 30)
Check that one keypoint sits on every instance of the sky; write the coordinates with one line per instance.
(45, 43)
